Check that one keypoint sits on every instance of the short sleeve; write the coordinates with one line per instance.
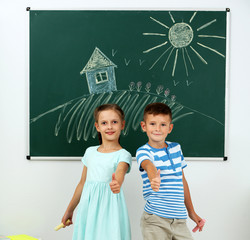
(127, 158)
(84, 158)
(183, 162)
(142, 155)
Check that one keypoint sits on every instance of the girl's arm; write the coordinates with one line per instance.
(118, 177)
(188, 202)
(75, 199)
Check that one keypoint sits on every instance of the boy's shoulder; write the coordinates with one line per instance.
(148, 147)
(144, 147)
(173, 144)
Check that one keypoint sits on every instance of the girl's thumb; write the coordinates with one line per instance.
(113, 176)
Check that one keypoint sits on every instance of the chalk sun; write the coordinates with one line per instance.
(179, 41)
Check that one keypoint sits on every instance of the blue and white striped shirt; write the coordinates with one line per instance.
(168, 202)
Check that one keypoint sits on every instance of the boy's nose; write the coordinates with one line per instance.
(158, 127)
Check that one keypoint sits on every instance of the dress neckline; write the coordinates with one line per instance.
(108, 152)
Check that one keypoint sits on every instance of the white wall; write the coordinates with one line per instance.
(34, 195)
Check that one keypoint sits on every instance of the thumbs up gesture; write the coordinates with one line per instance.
(156, 182)
(114, 185)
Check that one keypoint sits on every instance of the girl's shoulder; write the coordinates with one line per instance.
(91, 149)
(125, 152)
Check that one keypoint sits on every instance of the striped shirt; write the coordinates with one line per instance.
(168, 202)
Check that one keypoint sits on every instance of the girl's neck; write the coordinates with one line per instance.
(109, 147)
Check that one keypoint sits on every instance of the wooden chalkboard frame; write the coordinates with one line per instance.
(29, 157)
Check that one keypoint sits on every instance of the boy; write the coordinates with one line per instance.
(165, 188)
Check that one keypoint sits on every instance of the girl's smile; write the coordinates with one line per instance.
(109, 124)
(110, 133)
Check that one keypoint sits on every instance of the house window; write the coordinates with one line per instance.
(101, 77)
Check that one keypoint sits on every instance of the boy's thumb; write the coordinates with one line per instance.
(113, 176)
(158, 174)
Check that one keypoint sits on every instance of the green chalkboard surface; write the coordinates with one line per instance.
(81, 59)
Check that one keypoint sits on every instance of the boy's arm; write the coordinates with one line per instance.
(75, 199)
(188, 202)
(118, 177)
(153, 174)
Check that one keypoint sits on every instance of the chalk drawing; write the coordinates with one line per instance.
(100, 73)
(191, 19)
(114, 52)
(76, 115)
(213, 50)
(206, 25)
(126, 61)
(141, 61)
(180, 36)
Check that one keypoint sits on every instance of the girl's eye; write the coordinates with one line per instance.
(115, 122)
(103, 123)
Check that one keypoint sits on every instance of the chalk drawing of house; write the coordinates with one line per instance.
(100, 73)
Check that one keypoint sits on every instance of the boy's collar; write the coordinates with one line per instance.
(166, 147)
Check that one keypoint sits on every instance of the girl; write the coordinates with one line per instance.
(102, 212)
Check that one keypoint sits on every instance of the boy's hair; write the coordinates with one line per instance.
(104, 107)
(156, 109)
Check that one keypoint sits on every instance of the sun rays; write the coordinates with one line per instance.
(178, 41)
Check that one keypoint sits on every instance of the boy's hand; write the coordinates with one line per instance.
(114, 185)
(198, 220)
(200, 225)
(156, 182)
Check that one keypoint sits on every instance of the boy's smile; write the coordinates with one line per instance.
(157, 128)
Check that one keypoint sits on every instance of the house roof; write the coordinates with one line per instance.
(97, 60)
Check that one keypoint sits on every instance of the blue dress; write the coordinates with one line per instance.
(101, 214)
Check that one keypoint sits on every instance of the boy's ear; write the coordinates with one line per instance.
(171, 127)
(97, 127)
(143, 126)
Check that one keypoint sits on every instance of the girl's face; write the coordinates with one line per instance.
(109, 124)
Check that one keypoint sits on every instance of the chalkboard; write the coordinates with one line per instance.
(81, 59)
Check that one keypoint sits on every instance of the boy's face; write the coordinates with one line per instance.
(157, 128)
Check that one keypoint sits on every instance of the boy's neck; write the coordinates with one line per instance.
(157, 144)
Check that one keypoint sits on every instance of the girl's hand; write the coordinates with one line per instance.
(197, 220)
(114, 185)
(156, 182)
(67, 216)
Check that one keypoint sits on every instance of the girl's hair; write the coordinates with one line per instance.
(104, 107)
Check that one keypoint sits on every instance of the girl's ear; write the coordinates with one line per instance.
(143, 126)
(97, 127)
(123, 125)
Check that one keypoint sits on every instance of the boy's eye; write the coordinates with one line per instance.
(103, 123)
(164, 125)
(115, 122)
(152, 124)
